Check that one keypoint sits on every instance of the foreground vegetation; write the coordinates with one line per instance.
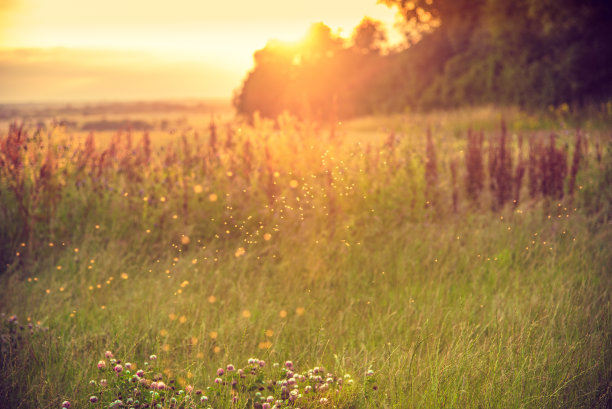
(432, 269)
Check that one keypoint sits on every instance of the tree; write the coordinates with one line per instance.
(369, 36)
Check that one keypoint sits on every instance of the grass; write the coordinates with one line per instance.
(471, 309)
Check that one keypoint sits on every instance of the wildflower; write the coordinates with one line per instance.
(289, 364)
(308, 389)
(128, 365)
(230, 368)
(370, 372)
(118, 369)
(188, 388)
(101, 365)
(93, 399)
(218, 380)
(103, 383)
(220, 371)
(262, 363)
(108, 354)
(161, 385)
(65, 404)
(153, 357)
(140, 373)
(323, 401)
(204, 399)
(265, 406)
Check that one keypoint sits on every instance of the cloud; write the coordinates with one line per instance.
(69, 74)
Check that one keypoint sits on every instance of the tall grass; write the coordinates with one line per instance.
(272, 241)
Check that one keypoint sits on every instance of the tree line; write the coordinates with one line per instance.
(528, 53)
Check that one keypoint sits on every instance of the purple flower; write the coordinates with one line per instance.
(118, 368)
(108, 354)
(65, 404)
(289, 364)
(230, 368)
(93, 399)
(220, 371)
(140, 373)
(101, 365)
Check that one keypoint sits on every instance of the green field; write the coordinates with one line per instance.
(367, 251)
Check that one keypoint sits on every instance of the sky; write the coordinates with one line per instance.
(68, 50)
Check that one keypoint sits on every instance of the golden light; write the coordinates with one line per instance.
(141, 49)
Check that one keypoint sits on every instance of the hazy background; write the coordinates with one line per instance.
(71, 50)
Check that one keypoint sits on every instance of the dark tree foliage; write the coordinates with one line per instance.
(530, 53)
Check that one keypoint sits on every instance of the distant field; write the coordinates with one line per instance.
(413, 260)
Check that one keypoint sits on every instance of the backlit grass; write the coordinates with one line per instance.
(421, 306)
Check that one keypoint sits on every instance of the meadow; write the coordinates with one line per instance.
(453, 259)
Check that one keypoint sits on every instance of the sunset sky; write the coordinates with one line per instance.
(134, 49)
